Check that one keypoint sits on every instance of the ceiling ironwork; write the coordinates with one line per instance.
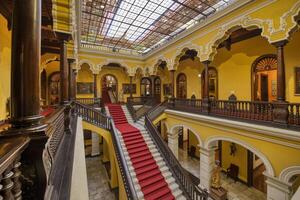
(138, 26)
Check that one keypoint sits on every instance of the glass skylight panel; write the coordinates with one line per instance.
(141, 25)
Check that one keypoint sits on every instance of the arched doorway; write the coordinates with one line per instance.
(109, 85)
(212, 82)
(146, 87)
(243, 165)
(181, 86)
(157, 89)
(54, 88)
(264, 78)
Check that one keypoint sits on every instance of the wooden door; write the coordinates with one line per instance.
(264, 88)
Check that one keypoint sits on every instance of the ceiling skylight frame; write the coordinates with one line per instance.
(149, 36)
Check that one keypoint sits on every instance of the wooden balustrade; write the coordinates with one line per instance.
(184, 180)
(139, 100)
(10, 155)
(261, 112)
(90, 101)
(294, 114)
(147, 104)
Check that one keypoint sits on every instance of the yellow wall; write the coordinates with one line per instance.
(191, 69)
(111, 151)
(85, 75)
(239, 159)
(5, 66)
(276, 153)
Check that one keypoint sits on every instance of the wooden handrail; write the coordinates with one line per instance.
(147, 104)
(184, 180)
(10, 155)
(260, 112)
(90, 101)
(97, 118)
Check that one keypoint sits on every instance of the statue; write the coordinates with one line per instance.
(216, 177)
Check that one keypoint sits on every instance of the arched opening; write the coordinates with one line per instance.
(157, 89)
(212, 83)
(44, 87)
(264, 78)
(54, 88)
(181, 86)
(146, 87)
(242, 168)
(109, 85)
(187, 149)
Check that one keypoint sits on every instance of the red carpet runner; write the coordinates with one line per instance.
(152, 182)
(105, 96)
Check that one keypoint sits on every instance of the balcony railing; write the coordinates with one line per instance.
(259, 112)
(90, 101)
(10, 155)
(146, 104)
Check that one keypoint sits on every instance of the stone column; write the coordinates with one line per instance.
(173, 143)
(130, 86)
(172, 76)
(277, 189)
(25, 62)
(95, 144)
(207, 164)
(95, 86)
(205, 99)
(71, 79)
(280, 105)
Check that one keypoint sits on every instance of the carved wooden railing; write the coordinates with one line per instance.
(260, 112)
(157, 110)
(147, 104)
(294, 114)
(139, 100)
(58, 154)
(90, 101)
(10, 155)
(190, 190)
(99, 119)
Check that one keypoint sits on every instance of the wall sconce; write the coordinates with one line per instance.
(232, 149)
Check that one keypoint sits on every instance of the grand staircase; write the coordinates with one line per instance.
(151, 176)
(148, 167)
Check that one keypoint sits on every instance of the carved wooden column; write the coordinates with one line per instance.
(25, 61)
(95, 85)
(64, 68)
(74, 83)
(71, 79)
(172, 76)
(280, 112)
(205, 98)
(130, 86)
(152, 77)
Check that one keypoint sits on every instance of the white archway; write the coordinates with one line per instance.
(265, 160)
(286, 174)
(173, 132)
(89, 63)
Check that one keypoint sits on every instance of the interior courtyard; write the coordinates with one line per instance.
(150, 99)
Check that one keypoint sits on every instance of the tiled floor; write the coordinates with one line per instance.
(97, 180)
(236, 190)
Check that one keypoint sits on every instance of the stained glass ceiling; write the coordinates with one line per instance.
(138, 26)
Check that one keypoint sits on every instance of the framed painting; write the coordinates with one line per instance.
(167, 89)
(85, 88)
(126, 88)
